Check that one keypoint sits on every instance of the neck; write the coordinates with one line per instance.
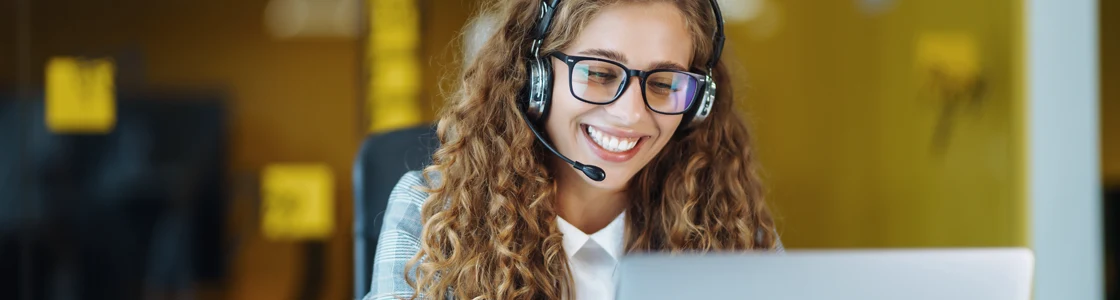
(583, 205)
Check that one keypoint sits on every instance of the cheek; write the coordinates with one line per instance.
(561, 103)
(667, 126)
(563, 109)
(560, 82)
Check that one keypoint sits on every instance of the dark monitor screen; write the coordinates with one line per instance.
(117, 215)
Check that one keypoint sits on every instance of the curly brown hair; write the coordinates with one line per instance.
(490, 222)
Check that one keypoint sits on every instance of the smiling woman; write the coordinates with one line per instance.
(624, 86)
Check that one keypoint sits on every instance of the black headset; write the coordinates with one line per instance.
(538, 91)
(537, 94)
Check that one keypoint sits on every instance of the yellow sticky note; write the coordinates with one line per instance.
(392, 98)
(394, 92)
(297, 201)
(80, 95)
(953, 55)
(394, 25)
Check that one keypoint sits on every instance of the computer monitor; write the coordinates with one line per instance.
(847, 274)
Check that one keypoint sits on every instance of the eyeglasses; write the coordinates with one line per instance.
(601, 81)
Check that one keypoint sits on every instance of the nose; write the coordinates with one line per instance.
(630, 106)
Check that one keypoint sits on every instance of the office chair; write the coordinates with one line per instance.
(381, 162)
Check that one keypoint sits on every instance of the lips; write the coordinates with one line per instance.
(612, 145)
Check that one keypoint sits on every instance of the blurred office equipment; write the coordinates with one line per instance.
(136, 213)
(292, 19)
(381, 162)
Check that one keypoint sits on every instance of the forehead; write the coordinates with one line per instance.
(643, 33)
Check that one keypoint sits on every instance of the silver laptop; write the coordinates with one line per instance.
(989, 274)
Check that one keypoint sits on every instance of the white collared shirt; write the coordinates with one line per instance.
(594, 258)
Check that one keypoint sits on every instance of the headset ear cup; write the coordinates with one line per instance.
(546, 88)
(698, 113)
(540, 89)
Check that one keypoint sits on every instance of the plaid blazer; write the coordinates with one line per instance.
(400, 239)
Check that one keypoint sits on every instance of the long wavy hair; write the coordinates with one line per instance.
(490, 220)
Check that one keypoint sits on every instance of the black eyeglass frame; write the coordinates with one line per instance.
(572, 60)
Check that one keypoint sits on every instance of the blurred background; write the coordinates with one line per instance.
(244, 149)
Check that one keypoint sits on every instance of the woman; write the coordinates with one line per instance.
(498, 216)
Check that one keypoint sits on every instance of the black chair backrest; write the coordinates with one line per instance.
(381, 162)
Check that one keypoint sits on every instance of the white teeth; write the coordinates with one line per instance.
(611, 143)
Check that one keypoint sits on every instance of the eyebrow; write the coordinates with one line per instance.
(664, 64)
(618, 56)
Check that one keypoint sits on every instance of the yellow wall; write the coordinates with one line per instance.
(845, 133)
(1110, 91)
(287, 101)
(442, 26)
(290, 101)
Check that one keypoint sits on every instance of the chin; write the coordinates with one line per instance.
(616, 180)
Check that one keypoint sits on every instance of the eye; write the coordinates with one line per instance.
(660, 87)
(602, 75)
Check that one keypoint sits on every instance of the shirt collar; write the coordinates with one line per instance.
(611, 238)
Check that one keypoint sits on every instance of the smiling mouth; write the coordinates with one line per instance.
(610, 143)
